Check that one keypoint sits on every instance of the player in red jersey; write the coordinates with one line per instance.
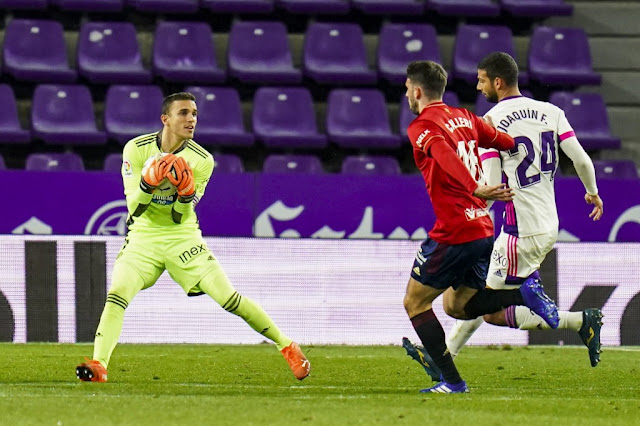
(454, 259)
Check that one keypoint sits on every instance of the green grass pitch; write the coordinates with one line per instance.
(240, 385)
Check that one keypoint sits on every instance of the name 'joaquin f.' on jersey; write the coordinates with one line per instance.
(538, 129)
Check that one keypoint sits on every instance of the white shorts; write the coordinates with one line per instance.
(515, 257)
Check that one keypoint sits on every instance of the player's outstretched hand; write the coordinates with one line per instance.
(183, 180)
(598, 209)
(156, 172)
(498, 192)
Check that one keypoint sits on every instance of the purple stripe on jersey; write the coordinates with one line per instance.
(510, 220)
(567, 135)
(488, 155)
(510, 316)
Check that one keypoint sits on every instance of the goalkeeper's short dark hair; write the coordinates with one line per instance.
(502, 65)
(180, 96)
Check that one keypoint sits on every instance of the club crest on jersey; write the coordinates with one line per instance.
(474, 213)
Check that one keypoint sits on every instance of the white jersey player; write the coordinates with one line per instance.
(530, 225)
(531, 220)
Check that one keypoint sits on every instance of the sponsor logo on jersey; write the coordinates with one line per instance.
(421, 137)
(187, 255)
(164, 200)
(474, 213)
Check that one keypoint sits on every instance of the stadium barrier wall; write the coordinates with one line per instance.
(52, 288)
(329, 206)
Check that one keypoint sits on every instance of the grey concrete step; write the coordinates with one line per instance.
(624, 122)
(619, 88)
(602, 18)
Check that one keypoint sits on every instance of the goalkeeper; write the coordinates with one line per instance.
(165, 175)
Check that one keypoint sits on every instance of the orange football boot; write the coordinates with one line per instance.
(298, 363)
(91, 371)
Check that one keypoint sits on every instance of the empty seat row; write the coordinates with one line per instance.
(259, 52)
(226, 163)
(536, 8)
(282, 117)
(283, 163)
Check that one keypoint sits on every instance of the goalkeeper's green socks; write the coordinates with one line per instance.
(109, 328)
(259, 320)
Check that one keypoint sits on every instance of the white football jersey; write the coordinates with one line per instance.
(538, 128)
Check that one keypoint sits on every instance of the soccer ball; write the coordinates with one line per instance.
(165, 186)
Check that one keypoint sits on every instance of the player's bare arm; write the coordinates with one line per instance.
(498, 192)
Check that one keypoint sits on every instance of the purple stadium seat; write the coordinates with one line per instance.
(2, 165)
(281, 163)
(131, 111)
(109, 53)
(184, 52)
(10, 129)
(54, 162)
(90, 5)
(113, 162)
(587, 114)
(405, 7)
(239, 6)
(23, 4)
(227, 163)
(474, 42)
(400, 44)
(315, 6)
(259, 52)
(34, 50)
(220, 117)
(560, 56)
(63, 114)
(483, 105)
(406, 116)
(165, 6)
(537, 8)
(370, 165)
(358, 118)
(285, 117)
(335, 54)
(464, 7)
(615, 169)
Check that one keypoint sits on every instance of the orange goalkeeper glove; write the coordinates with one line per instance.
(183, 180)
(156, 172)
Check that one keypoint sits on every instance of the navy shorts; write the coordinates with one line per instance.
(442, 265)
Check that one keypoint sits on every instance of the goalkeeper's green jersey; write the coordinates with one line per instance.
(158, 217)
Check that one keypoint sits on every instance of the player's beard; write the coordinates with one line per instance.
(413, 105)
(491, 95)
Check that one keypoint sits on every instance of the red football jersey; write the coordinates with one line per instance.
(460, 217)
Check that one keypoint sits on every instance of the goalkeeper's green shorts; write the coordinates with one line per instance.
(143, 258)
